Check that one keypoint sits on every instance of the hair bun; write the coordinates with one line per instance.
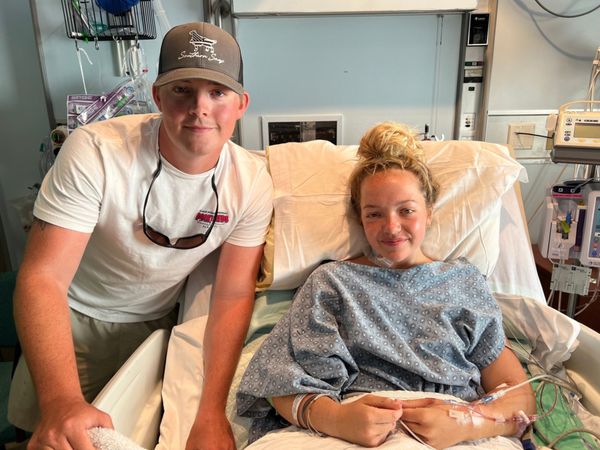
(389, 140)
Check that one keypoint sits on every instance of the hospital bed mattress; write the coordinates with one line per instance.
(134, 402)
(133, 396)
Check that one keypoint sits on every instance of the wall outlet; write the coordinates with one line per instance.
(520, 141)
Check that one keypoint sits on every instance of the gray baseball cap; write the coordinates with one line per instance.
(200, 50)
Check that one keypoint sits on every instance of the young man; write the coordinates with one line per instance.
(129, 209)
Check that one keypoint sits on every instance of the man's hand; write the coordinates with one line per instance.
(231, 308)
(211, 432)
(64, 426)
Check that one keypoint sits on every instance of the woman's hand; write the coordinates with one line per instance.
(430, 419)
(367, 421)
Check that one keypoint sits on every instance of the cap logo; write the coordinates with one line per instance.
(203, 48)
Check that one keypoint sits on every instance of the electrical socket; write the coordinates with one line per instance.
(520, 141)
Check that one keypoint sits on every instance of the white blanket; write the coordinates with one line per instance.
(292, 438)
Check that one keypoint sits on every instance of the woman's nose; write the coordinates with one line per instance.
(392, 224)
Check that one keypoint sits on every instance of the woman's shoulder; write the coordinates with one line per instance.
(460, 264)
(334, 270)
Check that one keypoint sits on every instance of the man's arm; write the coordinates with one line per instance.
(232, 302)
(42, 317)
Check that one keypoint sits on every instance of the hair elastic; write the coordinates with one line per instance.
(295, 405)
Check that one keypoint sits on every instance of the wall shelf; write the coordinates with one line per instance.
(86, 21)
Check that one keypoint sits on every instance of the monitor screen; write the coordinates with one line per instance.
(595, 231)
(587, 130)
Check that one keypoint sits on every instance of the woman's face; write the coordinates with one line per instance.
(395, 216)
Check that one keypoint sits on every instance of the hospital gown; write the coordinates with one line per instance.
(356, 328)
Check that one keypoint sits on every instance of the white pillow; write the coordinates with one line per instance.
(552, 335)
(311, 200)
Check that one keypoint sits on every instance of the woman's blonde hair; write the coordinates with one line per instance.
(387, 146)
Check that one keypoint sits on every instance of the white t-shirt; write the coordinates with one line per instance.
(98, 185)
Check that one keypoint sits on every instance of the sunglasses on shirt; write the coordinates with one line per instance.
(183, 243)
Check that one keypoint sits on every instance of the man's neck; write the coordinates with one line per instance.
(187, 161)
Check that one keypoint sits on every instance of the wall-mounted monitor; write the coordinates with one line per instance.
(479, 24)
(301, 128)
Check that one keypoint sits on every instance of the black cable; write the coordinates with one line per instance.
(564, 16)
(533, 134)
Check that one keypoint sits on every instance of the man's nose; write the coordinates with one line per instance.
(201, 104)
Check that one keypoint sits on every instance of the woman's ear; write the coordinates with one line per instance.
(429, 216)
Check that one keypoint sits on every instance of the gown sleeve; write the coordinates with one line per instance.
(304, 353)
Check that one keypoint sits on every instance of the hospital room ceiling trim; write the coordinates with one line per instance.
(309, 7)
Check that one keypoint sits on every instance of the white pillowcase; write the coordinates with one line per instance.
(311, 202)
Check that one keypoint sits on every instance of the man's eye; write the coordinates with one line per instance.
(180, 90)
(218, 93)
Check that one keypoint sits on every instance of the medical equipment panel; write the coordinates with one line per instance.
(578, 129)
(565, 215)
(577, 134)
(590, 245)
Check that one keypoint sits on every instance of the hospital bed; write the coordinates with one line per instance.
(479, 216)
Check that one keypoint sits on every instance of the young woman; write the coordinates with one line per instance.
(390, 320)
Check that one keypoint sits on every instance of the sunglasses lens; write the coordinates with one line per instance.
(190, 242)
(156, 236)
(184, 243)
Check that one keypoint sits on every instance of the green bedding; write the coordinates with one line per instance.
(560, 420)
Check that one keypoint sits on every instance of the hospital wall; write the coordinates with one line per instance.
(539, 62)
(23, 121)
(24, 109)
(367, 69)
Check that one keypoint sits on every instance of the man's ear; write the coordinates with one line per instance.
(156, 97)
(244, 103)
